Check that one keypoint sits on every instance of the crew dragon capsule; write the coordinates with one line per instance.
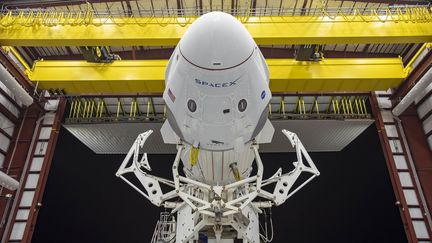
(217, 85)
(217, 96)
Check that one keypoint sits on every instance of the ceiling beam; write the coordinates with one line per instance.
(268, 52)
(286, 75)
(265, 30)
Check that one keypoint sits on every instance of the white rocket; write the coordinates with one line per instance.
(217, 98)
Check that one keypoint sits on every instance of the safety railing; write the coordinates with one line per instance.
(153, 109)
(320, 107)
(115, 109)
(142, 16)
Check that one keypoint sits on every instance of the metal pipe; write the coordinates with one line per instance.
(408, 68)
(7, 209)
(12, 84)
(8, 182)
(413, 93)
(19, 58)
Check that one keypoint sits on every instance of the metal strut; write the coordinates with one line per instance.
(235, 209)
(152, 190)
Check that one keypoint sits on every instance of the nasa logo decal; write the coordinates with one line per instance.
(263, 94)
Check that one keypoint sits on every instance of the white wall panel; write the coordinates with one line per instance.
(9, 105)
(10, 94)
(22, 214)
(51, 105)
(423, 93)
(4, 142)
(36, 164)
(391, 131)
(405, 179)
(32, 180)
(387, 116)
(2, 160)
(410, 197)
(18, 231)
(27, 199)
(425, 107)
(427, 124)
(41, 148)
(48, 119)
(384, 102)
(400, 162)
(420, 229)
(396, 146)
(6, 125)
(415, 213)
(45, 133)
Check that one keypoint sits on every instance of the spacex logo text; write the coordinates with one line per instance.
(216, 85)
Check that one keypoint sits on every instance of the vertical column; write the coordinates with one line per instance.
(28, 198)
(38, 173)
(16, 158)
(402, 172)
(420, 158)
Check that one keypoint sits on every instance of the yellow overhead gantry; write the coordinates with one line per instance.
(84, 28)
(286, 75)
(50, 28)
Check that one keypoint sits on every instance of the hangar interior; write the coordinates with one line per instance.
(96, 69)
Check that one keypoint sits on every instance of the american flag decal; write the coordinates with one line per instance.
(171, 95)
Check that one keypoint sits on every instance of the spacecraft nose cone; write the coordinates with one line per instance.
(216, 41)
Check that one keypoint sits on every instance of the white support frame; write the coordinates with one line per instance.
(217, 208)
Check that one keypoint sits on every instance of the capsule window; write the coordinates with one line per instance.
(192, 106)
(242, 105)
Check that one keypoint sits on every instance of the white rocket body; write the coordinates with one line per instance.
(217, 90)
